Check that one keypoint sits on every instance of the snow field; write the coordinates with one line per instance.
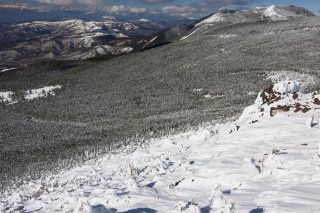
(257, 163)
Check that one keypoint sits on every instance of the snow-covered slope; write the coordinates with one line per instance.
(266, 161)
(227, 17)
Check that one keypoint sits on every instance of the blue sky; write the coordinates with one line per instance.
(178, 8)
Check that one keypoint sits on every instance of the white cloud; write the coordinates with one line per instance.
(197, 9)
(73, 2)
(181, 10)
(156, 1)
(229, 2)
(123, 9)
(204, 7)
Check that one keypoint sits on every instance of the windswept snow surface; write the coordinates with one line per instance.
(260, 163)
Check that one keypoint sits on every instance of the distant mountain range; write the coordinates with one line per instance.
(32, 42)
(27, 43)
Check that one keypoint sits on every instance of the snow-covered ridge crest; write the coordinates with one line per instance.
(79, 27)
(274, 13)
(260, 163)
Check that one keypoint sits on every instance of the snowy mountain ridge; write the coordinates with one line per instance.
(71, 27)
(284, 13)
(91, 28)
(263, 162)
(274, 13)
(32, 42)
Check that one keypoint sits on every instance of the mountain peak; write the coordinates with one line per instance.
(284, 13)
(227, 10)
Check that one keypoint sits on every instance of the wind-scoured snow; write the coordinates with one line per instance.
(263, 162)
(9, 96)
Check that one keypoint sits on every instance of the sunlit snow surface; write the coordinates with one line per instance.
(259, 163)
